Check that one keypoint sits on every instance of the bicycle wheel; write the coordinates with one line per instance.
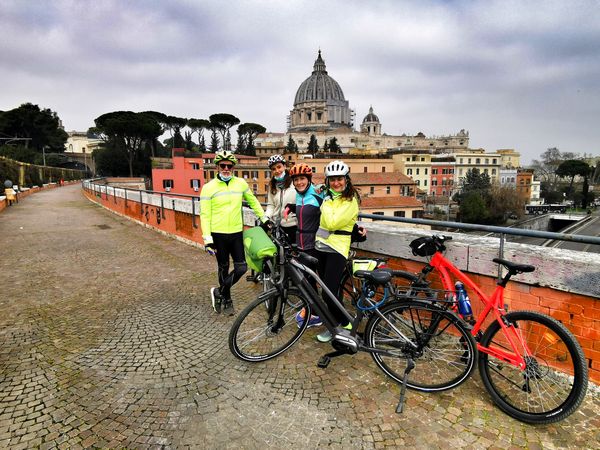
(445, 354)
(260, 333)
(554, 381)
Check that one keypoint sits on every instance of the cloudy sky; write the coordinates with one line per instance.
(515, 74)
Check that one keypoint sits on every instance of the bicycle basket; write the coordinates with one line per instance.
(363, 264)
(423, 246)
(257, 247)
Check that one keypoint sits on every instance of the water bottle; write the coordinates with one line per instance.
(464, 304)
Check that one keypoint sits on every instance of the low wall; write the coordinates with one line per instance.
(565, 285)
(28, 191)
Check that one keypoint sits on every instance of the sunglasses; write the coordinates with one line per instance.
(225, 166)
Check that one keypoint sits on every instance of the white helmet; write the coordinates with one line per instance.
(336, 169)
(275, 159)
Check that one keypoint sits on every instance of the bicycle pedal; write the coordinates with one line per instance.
(324, 362)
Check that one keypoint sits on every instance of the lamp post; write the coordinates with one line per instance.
(44, 154)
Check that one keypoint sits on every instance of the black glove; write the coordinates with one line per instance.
(267, 225)
(356, 236)
(210, 249)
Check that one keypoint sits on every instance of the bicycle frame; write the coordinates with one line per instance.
(493, 304)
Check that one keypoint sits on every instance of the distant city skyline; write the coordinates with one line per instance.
(514, 74)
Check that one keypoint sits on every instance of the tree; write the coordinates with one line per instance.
(161, 119)
(214, 140)
(473, 208)
(240, 147)
(291, 146)
(198, 126)
(334, 147)
(326, 146)
(504, 201)
(249, 131)
(313, 146)
(127, 131)
(175, 124)
(223, 122)
(571, 168)
(41, 126)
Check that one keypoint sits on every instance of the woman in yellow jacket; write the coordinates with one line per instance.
(339, 213)
(222, 226)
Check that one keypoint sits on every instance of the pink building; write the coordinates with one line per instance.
(179, 175)
(442, 177)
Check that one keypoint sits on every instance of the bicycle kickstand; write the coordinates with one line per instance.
(326, 359)
(410, 365)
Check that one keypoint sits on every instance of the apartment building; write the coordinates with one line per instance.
(489, 163)
(416, 165)
(442, 175)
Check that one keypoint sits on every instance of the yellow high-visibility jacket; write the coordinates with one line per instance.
(338, 217)
(221, 207)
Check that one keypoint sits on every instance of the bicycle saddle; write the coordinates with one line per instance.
(376, 276)
(514, 267)
(308, 260)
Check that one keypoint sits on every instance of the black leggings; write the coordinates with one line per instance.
(331, 270)
(228, 245)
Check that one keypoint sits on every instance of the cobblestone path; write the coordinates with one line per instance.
(108, 341)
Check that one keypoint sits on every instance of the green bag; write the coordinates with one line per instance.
(257, 246)
(363, 264)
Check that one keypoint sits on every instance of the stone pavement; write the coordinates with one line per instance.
(108, 341)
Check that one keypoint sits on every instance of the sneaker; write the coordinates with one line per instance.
(314, 321)
(215, 296)
(325, 336)
(228, 307)
(347, 327)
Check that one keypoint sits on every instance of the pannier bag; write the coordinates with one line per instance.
(363, 264)
(423, 246)
(257, 246)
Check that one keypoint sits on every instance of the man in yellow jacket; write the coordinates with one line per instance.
(222, 225)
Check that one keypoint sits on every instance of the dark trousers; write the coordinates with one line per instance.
(331, 270)
(229, 245)
(290, 232)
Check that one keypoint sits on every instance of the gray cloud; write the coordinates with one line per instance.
(516, 74)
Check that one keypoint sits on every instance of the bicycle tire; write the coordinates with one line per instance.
(519, 392)
(446, 352)
(258, 335)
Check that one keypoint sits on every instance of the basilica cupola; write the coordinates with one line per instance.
(370, 124)
(319, 103)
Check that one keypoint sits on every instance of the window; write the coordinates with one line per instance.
(267, 174)
(364, 170)
(425, 170)
(493, 171)
(378, 213)
(434, 171)
(418, 182)
(417, 214)
(319, 116)
(487, 160)
(255, 188)
(195, 184)
(254, 174)
(308, 116)
(461, 160)
(195, 166)
(424, 182)
(408, 171)
(245, 173)
(485, 170)
(314, 169)
(417, 171)
(434, 182)
(212, 174)
(168, 184)
(372, 190)
(478, 161)
(460, 172)
(383, 169)
(388, 190)
(469, 161)
(494, 161)
(377, 143)
(408, 158)
(399, 214)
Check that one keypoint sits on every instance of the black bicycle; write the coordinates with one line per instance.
(400, 333)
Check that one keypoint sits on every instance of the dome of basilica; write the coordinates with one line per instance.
(319, 87)
(371, 117)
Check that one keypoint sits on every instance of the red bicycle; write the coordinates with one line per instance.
(531, 364)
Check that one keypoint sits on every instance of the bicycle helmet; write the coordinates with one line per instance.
(276, 159)
(225, 156)
(301, 169)
(336, 169)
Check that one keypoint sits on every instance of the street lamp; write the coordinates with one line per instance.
(44, 154)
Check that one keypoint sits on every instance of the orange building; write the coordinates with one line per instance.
(524, 181)
(179, 174)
